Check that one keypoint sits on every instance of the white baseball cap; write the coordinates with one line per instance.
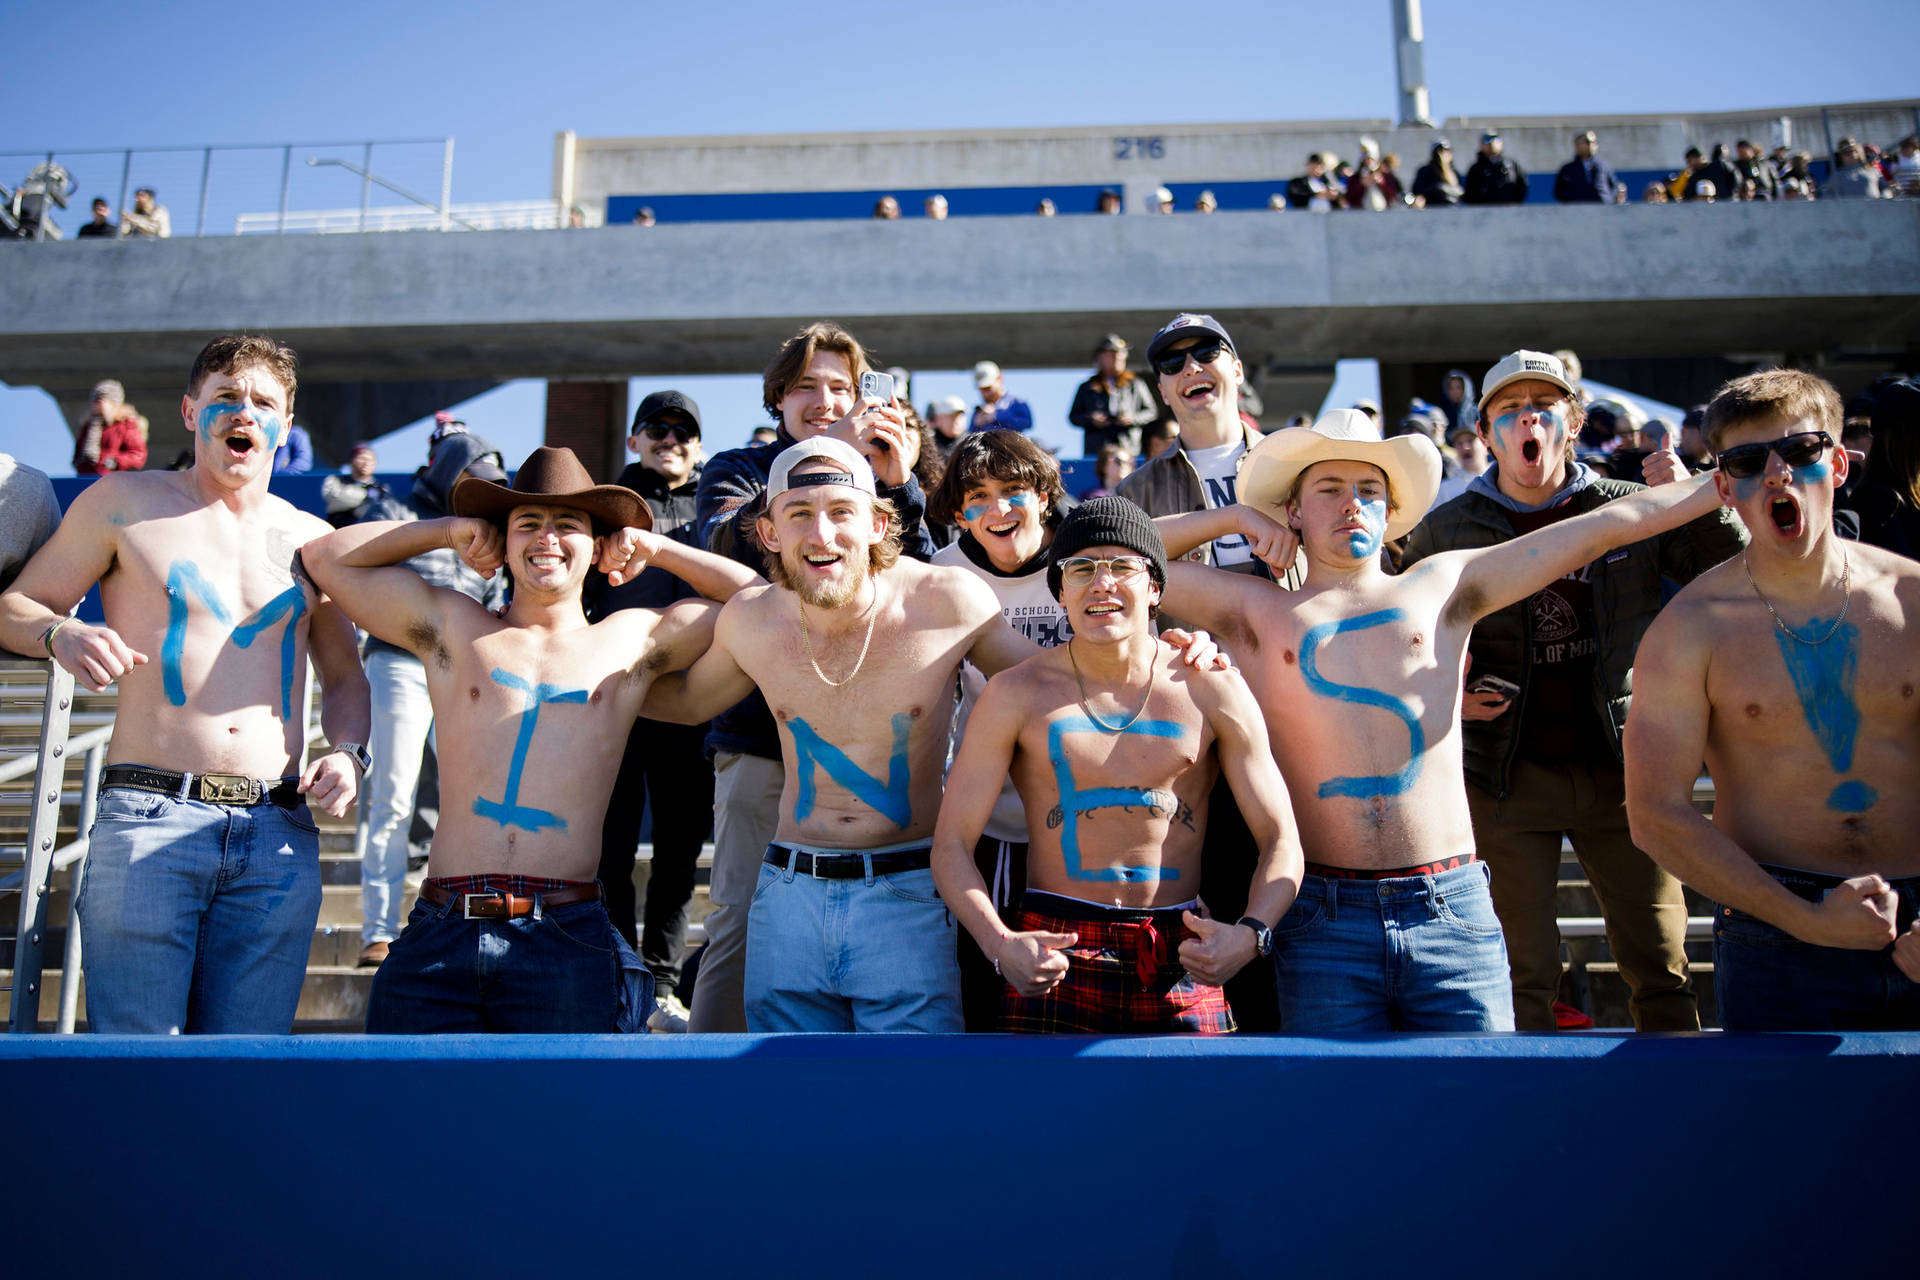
(851, 468)
(985, 372)
(1521, 365)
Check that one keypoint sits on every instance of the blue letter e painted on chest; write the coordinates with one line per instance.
(1076, 801)
(509, 812)
(1386, 784)
(892, 799)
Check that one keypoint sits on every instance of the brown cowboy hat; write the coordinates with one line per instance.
(552, 477)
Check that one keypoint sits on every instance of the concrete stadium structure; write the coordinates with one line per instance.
(1666, 301)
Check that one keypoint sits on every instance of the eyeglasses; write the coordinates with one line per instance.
(1080, 571)
(658, 433)
(1801, 449)
(1174, 361)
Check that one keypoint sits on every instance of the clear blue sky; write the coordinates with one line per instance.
(503, 78)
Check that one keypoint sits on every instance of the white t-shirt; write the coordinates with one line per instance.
(1218, 468)
(1030, 609)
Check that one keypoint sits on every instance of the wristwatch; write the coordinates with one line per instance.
(1262, 935)
(356, 753)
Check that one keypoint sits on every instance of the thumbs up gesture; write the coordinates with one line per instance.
(1857, 914)
(1216, 951)
(1033, 963)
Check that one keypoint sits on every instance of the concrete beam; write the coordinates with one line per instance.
(718, 298)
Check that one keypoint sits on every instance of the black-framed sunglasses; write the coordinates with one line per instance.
(1080, 571)
(1801, 449)
(1174, 361)
(657, 432)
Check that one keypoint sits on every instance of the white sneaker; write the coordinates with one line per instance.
(669, 1016)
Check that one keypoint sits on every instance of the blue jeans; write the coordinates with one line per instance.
(1414, 953)
(558, 970)
(1768, 980)
(196, 917)
(851, 955)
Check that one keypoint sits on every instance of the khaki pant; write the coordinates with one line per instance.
(1646, 916)
(746, 813)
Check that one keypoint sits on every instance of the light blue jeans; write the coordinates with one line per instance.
(850, 955)
(402, 724)
(196, 917)
(1415, 953)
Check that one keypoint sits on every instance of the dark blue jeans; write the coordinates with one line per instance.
(1768, 980)
(557, 970)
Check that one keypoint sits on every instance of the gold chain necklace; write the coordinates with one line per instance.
(1153, 674)
(873, 616)
(1846, 602)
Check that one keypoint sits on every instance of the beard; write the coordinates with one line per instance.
(826, 595)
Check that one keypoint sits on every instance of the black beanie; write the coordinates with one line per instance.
(1107, 522)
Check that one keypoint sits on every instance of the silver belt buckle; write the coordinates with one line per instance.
(229, 788)
(491, 895)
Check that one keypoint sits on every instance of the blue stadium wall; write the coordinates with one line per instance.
(1565, 1156)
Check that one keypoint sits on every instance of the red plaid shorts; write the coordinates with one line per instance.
(1124, 978)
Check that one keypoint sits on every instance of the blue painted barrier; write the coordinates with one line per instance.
(1588, 1155)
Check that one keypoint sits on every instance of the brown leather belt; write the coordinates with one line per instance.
(497, 904)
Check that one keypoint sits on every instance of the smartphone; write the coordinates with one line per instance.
(1504, 689)
(877, 387)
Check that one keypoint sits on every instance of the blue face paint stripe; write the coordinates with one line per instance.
(1391, 784)
(1366, 543)
(1075, 800)
(892, 799)
(508, 811)
(1823, 679)
(270, 425)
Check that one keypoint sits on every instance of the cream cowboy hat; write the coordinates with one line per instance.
(1411, 462)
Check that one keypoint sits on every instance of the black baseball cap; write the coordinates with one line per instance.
(661, 403)
(1187, 324)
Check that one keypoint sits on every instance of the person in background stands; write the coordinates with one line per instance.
(1495, 177)
(1437, 186)
(113, 435)
(1585, 179)
(998, 411)
(1549, 681)
(936, 207)
(665, 763)
(148, 219)
(347, 492)
(294, 457)
(947, 417)
(102, 225)
(1113, 405)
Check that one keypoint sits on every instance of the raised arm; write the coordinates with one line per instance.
(359, 566)
(1223, 948)
(712, 683)
(629, 551)
(1665, 744)
(1494, 577)
(79, 554)
(1271, 541)
(1218, 601)
(1030, 962)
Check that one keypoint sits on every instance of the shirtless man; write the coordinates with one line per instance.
(1360, 677)
(534, 708)
(201, 888)
(1114, 745)
(1792, 672)
(856, 650)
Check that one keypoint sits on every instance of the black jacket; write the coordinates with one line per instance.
(673, 517)
(1500, 181)
(1627, 596)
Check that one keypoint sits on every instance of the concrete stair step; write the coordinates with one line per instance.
(1575, 897)
(334, 995)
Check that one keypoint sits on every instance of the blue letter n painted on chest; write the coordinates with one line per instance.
(892, 798)
(509, 812)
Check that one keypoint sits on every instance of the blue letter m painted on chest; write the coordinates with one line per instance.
(183, 576)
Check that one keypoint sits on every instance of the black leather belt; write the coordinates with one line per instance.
(214, 788)
(848, 866)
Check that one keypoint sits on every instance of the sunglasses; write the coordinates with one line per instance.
(1080, 571)
(1174, 361)
(1804, 448)
(680, 434)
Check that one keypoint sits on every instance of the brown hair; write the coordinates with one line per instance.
(791, 361)
(1300, 482)
(1773, 395)
(1007, 456)
(233, 352)
(881, 556)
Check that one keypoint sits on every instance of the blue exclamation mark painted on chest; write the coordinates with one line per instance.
(1823, 678)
